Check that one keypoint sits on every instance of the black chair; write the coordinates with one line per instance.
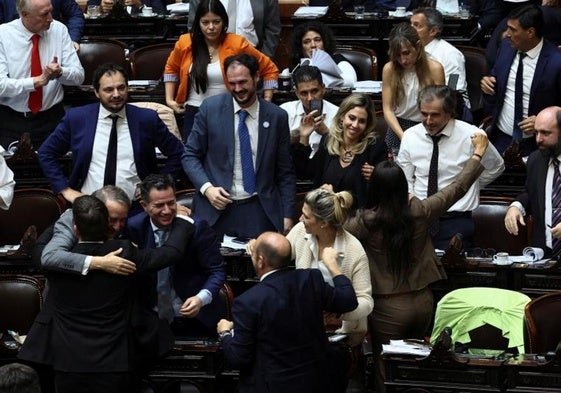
(95, 52)
(149, 61)
(542, 323)
(476, 68)
(20, 302)
(363, 59)
(32, 206)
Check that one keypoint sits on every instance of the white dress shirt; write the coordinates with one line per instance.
(15, 64)
(505, 122)
(296, 112)
(240, 19)
(339, 244)
(252, 123)
(455, 149)
(127, 175)
(7, 183)
(451, 59)
(215, 85)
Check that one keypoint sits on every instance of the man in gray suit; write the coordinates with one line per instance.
(238, 158)
(260, 25)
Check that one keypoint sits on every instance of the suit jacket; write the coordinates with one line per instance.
(76, 133)
(209, 157)
(66, 11)
(280, 343)
(546, 85)
(203, 267)
(85, 322)
(426, 268)
(266, 20)
(533, 197)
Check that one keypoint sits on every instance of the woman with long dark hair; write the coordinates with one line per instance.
(195, 67)
(394, 231)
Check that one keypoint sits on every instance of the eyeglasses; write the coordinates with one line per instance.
(478, 252)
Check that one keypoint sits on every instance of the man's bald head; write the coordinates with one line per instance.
(272, 251)
(548, 125)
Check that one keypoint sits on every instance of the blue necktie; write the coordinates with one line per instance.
(518, 94)
(165, 307)
(246, 157)
(556, 205)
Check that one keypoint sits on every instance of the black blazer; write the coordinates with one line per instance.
(533, 197)
(280, 343)
(86, 320)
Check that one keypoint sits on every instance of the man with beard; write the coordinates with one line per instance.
(541, 197)
(111, 142)
(238, 158)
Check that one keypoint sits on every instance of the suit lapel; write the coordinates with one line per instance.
(541, 176)
(134, 126)
(540, 70)
(263, 126)
(88, 141)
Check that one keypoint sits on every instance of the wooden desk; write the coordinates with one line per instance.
(532, 373)
(452, 374)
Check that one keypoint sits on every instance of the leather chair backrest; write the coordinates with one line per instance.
(363, 59)
(31, 206)
(94, 53)
(381, 125)
(490, 231)
(542, 323)
(476, 68)
(20, 302)
(185, 197)
(149, 61)
(227, 299)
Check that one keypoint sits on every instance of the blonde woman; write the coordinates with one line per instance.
(348, 153)
(407, 72)
(320, 227)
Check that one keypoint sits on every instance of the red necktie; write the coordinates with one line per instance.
(35, 97)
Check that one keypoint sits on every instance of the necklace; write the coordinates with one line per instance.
(348, 155)
(211, 53)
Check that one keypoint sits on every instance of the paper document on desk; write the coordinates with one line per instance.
(448, 6)
(367, 87)
(405, 347)
(311, 11)
(178, 8)
(229, 242)
(530, 255)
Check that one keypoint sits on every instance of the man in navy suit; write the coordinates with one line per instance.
(86, 131)
(193, 286)
(83, 330)
(246, 184)
(535, 199)
(65, 11)
(279, 343)
(541, 80)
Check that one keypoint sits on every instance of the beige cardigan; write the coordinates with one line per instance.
(354, 266)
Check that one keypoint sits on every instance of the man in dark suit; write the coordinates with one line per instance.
(191, 288)
(83, 330)
(86, 132)
(536, 200)
(279, 343)
(541, 80)
(65, 11)
(246, 184)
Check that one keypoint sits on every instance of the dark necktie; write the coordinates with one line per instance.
(432, 187)
(35, 102)
(248, 172)
(556, 205)
(165, 306)
(111, 162)
(518, 94)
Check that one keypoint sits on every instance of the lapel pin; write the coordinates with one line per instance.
(266, 124)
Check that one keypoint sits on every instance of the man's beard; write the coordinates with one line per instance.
(552, 152)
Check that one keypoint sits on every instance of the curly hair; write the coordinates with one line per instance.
(336, 132)
(327, 36)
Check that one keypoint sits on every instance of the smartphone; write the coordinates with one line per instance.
(316, 105)
(241, 240)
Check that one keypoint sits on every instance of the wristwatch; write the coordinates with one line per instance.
(224, 333)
